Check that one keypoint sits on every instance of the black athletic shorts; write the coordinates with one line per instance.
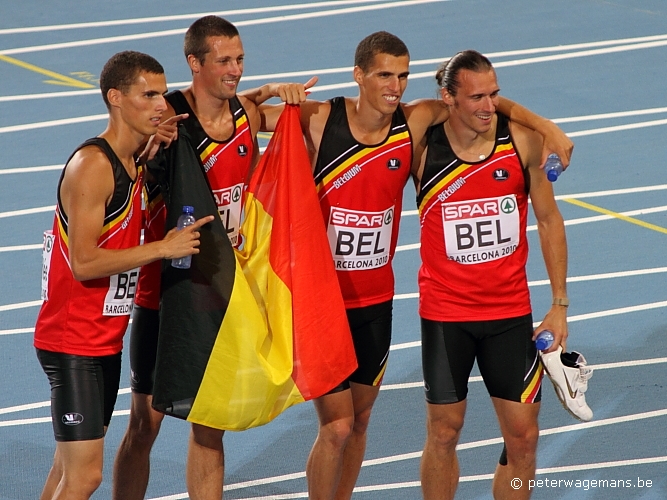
(83, 393)
(143, 349)
(505, 353)
(371, 334)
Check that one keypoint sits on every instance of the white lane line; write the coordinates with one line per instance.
(464, 446)
(603, 366)
(15, 331)
(249, 22)
(181, 17)
(18, 248)
(569, 222)
(20, 305)
(42, 404)
(42, 420)
(348, 69)
(28, 170)
(384, 387)
(415, 295)
(27, 211)
(589, 194)
(617, 128)
(53, 123)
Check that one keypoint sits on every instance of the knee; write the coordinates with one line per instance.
(145, 429)
(337, 432)
(522, 444)
(207, 436)
(82, 482)
(361, 421)
(444, 434)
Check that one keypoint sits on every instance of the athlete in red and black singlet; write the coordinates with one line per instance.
(473, 232)
(360, 189)
(227, 165)
(89, 318)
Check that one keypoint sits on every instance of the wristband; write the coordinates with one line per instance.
(559, 301)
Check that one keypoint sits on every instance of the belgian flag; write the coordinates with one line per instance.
(245, 334)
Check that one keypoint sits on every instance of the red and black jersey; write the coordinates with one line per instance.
(360, 189)
(89, 318)
(227, 165)
(473, 232)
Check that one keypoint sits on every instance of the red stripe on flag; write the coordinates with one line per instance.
(300, 256)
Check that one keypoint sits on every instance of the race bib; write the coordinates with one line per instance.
(229, 208)
(360, 240)
(120, 297)
(47, 250)
(481, 230)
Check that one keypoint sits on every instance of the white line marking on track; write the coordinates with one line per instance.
(27, 211)
(569, 222)
(20, 305)
(42, 404)
(18, 248)
(28, 170)
(464, 446)
(181, 17)
(249, 22)
(385, 387)
(477, 378)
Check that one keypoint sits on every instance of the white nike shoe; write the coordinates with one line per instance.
(569, 374)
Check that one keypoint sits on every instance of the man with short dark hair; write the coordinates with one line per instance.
(475, 174)
(92, 259)
(224, 125)
(361, 150)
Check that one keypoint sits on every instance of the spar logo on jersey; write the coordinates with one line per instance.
(394, 164)
(72, 418)
(500, 174)
(242, 150)
(482, 230)
(359, 239)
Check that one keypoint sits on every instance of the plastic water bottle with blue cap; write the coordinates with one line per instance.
(544, 340)
(553, 167)
(186, 219)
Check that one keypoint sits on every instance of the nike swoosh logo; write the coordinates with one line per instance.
(573, 395)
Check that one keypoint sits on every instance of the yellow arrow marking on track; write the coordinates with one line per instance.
(601, 210)
(58, 79)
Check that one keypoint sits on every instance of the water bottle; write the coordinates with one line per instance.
(544, 340)
(553, 167)
(186, 219)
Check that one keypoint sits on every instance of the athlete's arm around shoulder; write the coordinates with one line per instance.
(550, 228)
(554, 139)
(86, 190)
(424, 113)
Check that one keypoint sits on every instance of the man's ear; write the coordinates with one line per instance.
(358, 75)
(194, 63)
(114, 96)
(447, 98)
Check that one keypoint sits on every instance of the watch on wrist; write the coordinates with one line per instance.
(561, 301)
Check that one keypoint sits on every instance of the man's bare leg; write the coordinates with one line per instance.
(205, 470)
(132, 465)
(81, 463)
(325, 462)
(439, 464)
(518, 424)
(363, 398)
(54, 477)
